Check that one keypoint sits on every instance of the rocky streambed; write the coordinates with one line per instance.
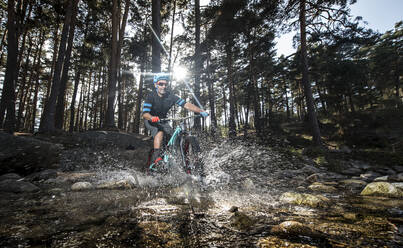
(251, 196)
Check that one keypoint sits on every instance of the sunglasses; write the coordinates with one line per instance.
(161, 84)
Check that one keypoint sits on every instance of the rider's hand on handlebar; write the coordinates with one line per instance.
(155, 119)
(204, 114)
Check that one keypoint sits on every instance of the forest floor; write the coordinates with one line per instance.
(271, 193)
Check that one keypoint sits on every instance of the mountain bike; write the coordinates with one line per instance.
(182, 147)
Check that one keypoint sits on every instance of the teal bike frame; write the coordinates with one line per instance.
(169, 151)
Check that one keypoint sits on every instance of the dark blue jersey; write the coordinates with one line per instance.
(159, 106)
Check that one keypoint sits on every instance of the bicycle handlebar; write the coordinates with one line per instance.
(178, 119)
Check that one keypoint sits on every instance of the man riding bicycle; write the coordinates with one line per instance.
(156, 107)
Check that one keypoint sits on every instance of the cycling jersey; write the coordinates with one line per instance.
(159, 106)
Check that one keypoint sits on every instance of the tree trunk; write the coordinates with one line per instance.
(37, 69)
(77, 125)
(24, 86)
(110, 112)
(197, 62)
(118, 66)
(73, 100)
(211, 97)
(156, 46)
(172, 37)
(8, 93)
(137, 117)
(316, 138)
(232, 125)
(87, 107)
(3, 38)
(54, 59)
(48, 116)
(59, 118)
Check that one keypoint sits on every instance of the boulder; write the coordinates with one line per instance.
(9, 176)
(80, 186)
(381, 179)
(121, 184)
(25, 155)
(352, 171)
(399, 186)
(396, 178)
(305, 199)
(293, 228)
(352, 184)
(382, 189)
(43, 175)
(319, 187)
(241, 221)
(14, 186)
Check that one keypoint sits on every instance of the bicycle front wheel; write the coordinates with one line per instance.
(190, 151)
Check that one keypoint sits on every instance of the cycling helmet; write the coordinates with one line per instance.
(161, 76)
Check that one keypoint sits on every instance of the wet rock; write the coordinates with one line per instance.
(384, 170)
(331, 176)
(312, 178)
(319, 187)
(398, 168)
(293, 228)
(382, 189)
(398, 186)
(121, 184)
(155, 233)
(305, 199)
(233, 209)
(275, 242)
(56, 191)
(241, 221)
(352, 171)
(73, 177)
(350, 216)
(360, 165)
(10, 185)
(25, 155)
(396, 178)
(42, 175)
(309, 169)
(248, 184)
(79, 186)
(10, 176)
(381, 179)
(369, 175)
(352, 183)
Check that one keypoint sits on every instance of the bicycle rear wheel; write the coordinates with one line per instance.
(191, 160)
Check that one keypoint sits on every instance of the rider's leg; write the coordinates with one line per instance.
(156, 157)
(158, 140)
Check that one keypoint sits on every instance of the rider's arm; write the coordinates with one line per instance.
(148, 103)
(192, 107)
(147, 116)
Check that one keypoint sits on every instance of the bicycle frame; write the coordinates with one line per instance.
(178, 133)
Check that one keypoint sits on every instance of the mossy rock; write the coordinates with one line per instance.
(382, 189)
(305, 199)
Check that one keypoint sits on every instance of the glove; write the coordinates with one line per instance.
(204, 114)
(155, 119)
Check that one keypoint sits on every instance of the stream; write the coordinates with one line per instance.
(251, 196)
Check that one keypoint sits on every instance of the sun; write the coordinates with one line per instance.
(180, 72)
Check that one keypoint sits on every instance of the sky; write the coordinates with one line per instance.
(381, 16)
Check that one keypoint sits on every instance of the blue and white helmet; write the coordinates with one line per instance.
(161, 76)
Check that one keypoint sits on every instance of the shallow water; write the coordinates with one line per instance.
(236, 204)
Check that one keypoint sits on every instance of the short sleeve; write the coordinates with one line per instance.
(179, 101)
(147, 104)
